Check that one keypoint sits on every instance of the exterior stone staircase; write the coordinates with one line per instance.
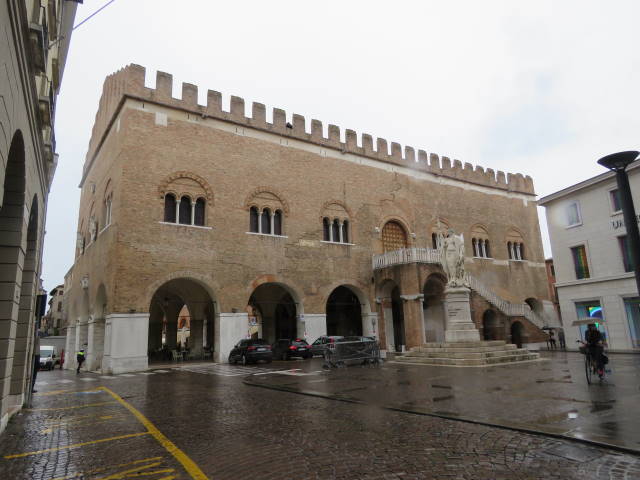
(467, 354)
(432, 256)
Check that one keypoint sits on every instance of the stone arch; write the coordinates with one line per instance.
(492, 328)
(535, 305)
(480, 241)
(274, 310)
(163, 188)
(165, 306)
(205, 281)
(518, 335)
(356, 287)
(340, 204)
(438, 225)
(391, 310)
(514, 241)
(433, 307)
(251, 199)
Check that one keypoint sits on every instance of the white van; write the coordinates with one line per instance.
(49, 357)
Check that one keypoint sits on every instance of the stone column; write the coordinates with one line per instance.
(413, 320)
(195, 336)
(230, 329)
(460, 326)
(172, 311)
(370, 325)
(385, 318)
(315, 325)
(127, 337)
(69, 349)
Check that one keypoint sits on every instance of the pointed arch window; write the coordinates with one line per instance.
(480, 242)
(335, 231)
(515, 245)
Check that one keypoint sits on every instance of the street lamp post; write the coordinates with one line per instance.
(618, 163)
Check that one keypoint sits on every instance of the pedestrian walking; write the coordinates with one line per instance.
(80, 359)
(561, 339)
(61, 359)
(552, 339)
(36, 363)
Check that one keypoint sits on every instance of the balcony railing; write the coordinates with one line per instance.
(429, 255)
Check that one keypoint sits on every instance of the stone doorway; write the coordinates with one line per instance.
(433, 308)
(273, 313)
(344, 313)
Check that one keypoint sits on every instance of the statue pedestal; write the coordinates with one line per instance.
(459, 327)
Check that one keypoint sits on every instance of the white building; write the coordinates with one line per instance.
(594, 275)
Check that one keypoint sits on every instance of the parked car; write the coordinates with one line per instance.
(286, 348)
(321, 344)
(251, 351)
(48, 357)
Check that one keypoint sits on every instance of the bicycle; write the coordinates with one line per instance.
(590, 364)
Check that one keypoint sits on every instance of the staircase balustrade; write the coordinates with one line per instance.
(431, 256)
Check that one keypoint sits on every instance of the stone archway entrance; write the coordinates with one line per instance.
(490, 325)
(171, 305)
(344, 313)
(433, 308)
(517, 333)
(393, 314)
(273, 313)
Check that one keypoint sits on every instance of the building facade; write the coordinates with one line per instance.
(35, 40)
(591, 256)
(275, 230)
(53, 323)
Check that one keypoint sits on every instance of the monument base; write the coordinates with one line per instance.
(459, 326)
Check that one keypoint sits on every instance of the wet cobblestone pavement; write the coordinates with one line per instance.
(203, 421)
(550, 396)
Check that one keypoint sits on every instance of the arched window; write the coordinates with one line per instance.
(515, 245)
(107, 210)
(185, 211)
(265, 221)
(277, 222)
(434, 240)
(345, 231)
(198, 216)
(480, 242)
(393, 236)
(335, 231)
(253, 220)
(326, 229)
(170, 208)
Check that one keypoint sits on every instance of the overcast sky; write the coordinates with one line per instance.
(544, 88)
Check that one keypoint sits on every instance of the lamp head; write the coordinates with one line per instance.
(619, 161)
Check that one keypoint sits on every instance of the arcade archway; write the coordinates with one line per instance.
(433, 308)
(177, 306)
(393, 313)
(344, 313)
(273, 313)
(517, 334)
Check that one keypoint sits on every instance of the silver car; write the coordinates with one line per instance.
(322, 343)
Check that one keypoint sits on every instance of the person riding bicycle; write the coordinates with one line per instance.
(595, 340)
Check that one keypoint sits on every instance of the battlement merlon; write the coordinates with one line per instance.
(130, 82)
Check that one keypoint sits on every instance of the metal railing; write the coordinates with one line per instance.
(432, 256)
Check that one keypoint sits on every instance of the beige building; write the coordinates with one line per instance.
(278, 230)
(35, 39)
(53, 322)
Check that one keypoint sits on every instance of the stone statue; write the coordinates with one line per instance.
(451, 250)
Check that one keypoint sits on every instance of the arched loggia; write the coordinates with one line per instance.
(167, 306)
(433, 308)
(273, 312)
(344, 313)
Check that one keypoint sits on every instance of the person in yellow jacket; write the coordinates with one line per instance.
(80, 358)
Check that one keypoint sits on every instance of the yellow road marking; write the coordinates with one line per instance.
(79, 423)
(74, 418)
(62, 392)
(75, 445)
(102, 469)
(135, 472)
(188, 464)
(69, 408)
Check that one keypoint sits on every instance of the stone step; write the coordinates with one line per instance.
(481, 343)
(497, 348)
(467, 354)
(469, 362)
